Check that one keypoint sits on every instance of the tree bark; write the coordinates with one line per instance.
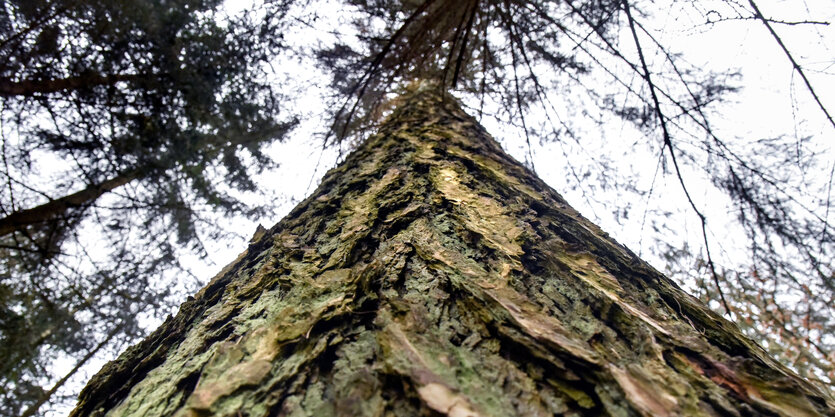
(58, 208)
(431, 274)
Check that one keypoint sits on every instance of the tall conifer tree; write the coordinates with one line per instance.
(432, 274)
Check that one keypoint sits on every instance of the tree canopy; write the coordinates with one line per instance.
(121, 121)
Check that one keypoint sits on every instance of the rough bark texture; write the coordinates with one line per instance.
(431, 274)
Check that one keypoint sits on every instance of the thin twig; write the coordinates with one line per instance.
(508, 21)
(668, 143)
(779, 22)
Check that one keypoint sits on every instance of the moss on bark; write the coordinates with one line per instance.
(431, 274)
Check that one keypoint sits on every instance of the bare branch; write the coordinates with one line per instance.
(796, 66)
(668, 143)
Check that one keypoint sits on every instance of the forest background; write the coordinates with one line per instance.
(178, 127)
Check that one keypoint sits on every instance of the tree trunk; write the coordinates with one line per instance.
(431, 274)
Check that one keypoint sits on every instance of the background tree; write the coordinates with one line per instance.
(124, 123)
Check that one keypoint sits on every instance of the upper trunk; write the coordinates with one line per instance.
(431, 273)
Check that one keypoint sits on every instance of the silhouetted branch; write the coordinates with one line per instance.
(794, 63)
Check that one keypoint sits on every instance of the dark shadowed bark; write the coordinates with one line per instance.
(431, 274)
